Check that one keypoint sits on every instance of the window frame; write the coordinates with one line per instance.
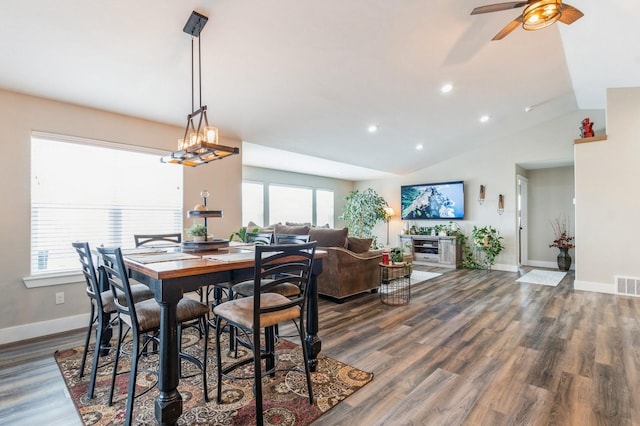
(61, 277)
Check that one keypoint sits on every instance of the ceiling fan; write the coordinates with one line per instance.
(536, 15)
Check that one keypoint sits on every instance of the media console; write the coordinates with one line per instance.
(435, 251)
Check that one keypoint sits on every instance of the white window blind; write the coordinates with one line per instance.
(324, 207)
(290, 204)
(253, 203)
(100, 193)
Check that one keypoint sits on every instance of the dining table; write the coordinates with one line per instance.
(170, 274)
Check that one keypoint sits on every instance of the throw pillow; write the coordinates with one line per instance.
(251, 226)
(327, 237)
(359, 245)
(291, 230)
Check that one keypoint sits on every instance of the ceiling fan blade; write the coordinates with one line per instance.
(499, 6)
(570, 14)
(508, 28)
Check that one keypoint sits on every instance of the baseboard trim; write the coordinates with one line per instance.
(44, 328)
(545, 264)
(504, 267)
(608, 288)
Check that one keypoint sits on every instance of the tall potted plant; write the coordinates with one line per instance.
(362, 211)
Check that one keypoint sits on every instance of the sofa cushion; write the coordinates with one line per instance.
(359, 245)
(252, 227)
(292, 230)
(327, 237)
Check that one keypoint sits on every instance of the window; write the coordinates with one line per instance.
(290, 204)
(324, 207)
(97, 192)
(253, 203)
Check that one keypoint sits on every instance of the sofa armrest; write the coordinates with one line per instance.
(346, 273)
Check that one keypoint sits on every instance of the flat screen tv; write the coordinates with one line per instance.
(443, 200)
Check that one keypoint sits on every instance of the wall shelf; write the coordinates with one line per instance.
(591, 139)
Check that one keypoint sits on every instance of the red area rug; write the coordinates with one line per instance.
(285, 395)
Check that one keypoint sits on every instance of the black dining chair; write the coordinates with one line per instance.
(258, 238)
(103, 309)
(290, 239)
(290, 263)
(142, 318)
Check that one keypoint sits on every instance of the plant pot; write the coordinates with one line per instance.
(564, 259)
(199, 238)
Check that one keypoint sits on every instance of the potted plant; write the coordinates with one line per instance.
(396, 255)
(563, 241)
(487, 241)
(362, 211)
(198, 231)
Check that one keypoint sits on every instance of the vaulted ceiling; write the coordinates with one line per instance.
(310, 77)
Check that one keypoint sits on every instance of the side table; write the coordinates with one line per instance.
(395, 283)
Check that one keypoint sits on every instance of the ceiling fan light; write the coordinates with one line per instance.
(541, 14)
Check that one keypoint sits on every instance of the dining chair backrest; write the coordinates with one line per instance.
(143, 239)
(259, 238)
(89, 271)
(290, 239)
(278, 264)
(118, 279)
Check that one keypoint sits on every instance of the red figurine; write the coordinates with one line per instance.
(587, 128)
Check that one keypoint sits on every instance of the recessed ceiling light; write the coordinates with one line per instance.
(419, 147)
(446, 88)
(528, 109)
(484, 118)
(372, 128)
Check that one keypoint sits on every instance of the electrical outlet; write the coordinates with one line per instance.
(59, 298)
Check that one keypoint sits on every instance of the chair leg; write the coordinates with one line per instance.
(96, 358)
(132, 379)
(305, 358)
(257, 374)
(92, 319)
(205, 326)
(115, 363)
(218, 360)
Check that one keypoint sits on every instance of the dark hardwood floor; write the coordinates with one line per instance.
(472, 347)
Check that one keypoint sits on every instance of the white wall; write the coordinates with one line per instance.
(607, 197)
(31, 312)
(495, 167)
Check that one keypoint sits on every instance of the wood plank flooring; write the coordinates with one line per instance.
(471, 348)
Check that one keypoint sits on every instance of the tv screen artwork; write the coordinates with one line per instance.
(433, 201)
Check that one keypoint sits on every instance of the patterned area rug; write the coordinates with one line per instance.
(538, 276)
(285, 398)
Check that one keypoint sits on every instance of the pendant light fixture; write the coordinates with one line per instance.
(200, 142)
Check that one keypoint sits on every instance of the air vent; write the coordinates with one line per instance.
(628, 285)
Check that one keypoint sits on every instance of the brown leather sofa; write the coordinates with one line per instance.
(350, 267)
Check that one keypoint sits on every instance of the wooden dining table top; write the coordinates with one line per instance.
(196, 263)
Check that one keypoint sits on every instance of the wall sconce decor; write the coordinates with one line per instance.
(200, 143)
(500, 204)
(482, 194)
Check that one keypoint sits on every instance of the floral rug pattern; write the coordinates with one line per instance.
(285, 400)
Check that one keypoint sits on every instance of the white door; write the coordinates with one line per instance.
(523, 258)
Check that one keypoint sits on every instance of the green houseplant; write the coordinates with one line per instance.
(487, 241)
(362, 211)
(198, 231)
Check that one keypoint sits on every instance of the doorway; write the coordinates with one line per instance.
(523, 240)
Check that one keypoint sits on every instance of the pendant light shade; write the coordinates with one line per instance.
(200, 142)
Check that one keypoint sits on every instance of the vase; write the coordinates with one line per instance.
(564, 259)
